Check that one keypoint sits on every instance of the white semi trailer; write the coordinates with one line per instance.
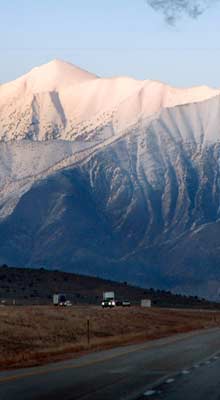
(59, 299)
(146, 303)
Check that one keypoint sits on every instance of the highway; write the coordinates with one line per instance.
(185, 365)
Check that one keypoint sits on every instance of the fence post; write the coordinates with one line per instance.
(88, 331)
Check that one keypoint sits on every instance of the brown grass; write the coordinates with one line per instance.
(35, 335)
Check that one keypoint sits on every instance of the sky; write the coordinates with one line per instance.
(109, 38)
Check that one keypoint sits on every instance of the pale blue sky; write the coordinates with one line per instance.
(109, 37)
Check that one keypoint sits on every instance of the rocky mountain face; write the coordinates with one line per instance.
(116, 178)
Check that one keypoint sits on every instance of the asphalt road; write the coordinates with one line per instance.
(174, 368)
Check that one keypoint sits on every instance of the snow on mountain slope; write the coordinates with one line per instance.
(22, 163)
(154, 96)
(184, 129)
(59, 100)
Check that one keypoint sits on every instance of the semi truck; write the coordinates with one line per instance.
(59, 299)
(108, 299)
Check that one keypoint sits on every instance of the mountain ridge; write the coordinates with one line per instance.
(60, 100)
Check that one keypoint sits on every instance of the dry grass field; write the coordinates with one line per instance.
(33, 335)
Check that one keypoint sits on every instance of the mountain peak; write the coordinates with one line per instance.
(55, 75)
(59, 65)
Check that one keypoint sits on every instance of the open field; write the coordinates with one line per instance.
(31, 335)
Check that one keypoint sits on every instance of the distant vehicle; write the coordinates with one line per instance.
(108, 299)
(123, 303)
(126, 303)
(108, 303)
(59, 299)
(68, 303)
(108, 295)
(146, 303)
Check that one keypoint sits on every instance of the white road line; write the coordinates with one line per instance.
(171, 380)
(149, 393)
(185, 372)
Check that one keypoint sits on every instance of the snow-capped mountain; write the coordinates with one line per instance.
(115, 177)
(59, 100)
